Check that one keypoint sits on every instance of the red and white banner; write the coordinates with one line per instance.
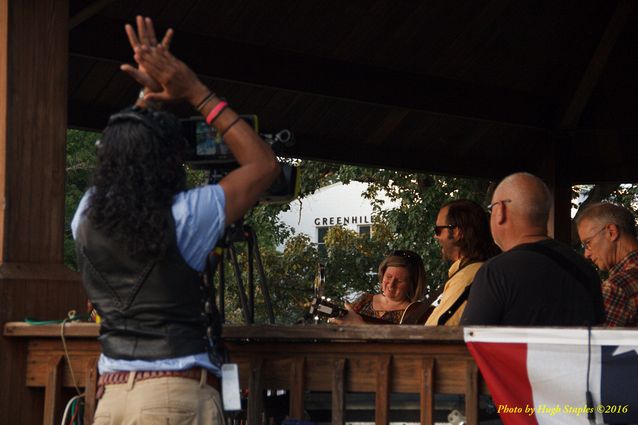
(539, 375)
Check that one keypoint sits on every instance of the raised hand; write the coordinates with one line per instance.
(171, 79)
(178, 81)
(145, 37)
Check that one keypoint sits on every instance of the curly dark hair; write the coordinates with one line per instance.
(139, 171)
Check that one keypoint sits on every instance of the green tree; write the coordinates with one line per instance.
(351, 259)
(80, 161)
(289, 274)
(419, 198)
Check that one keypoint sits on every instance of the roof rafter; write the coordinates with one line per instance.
(265, 66)
(88, 12)
(596, 65)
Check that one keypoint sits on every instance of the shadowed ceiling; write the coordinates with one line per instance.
(463, 87)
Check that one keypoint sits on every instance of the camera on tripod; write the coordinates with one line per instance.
(206, 149)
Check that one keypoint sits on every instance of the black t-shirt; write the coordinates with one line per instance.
(525, 287)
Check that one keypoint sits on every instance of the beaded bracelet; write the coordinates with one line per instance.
(235, 121)
(216, 112)
(204, 102)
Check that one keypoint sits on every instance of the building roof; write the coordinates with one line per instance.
(464, 87)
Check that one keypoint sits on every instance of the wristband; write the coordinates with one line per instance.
(235, 121)
(204, 102)
(216, 112)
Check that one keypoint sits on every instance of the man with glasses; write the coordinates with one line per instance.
(608, 236)
(536, 281)
(462, 230)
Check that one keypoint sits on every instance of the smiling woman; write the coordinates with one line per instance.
(402, 277)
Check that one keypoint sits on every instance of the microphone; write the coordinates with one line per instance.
(285, 138)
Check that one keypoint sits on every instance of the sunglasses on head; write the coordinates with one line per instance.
(439, 229)
(406, 254)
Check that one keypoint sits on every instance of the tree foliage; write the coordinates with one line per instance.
(351, 259)
(419, 198)
(80, 160)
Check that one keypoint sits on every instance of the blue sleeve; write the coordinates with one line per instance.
(199, 222)
(84, 202)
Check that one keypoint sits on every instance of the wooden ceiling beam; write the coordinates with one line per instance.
(601, 156)
(596, 65)
(223, 59)
(394, 157)
(88, 12)
(308, 146)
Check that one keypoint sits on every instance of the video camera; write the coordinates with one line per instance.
(206, 149)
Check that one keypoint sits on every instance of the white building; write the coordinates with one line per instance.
(337, 204)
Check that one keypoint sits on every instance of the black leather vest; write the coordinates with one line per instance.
(150, 310)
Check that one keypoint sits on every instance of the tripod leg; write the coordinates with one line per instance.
(263, 283)
(251, 279)
(240, 284)
(222, 290)
(214, 329)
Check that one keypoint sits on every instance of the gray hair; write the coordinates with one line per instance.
(606, 212)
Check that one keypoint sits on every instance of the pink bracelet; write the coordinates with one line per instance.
(217, 110)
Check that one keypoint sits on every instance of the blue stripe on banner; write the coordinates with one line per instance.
(619, 384)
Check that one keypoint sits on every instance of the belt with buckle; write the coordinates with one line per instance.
(114, 378)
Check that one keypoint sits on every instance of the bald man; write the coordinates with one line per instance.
(536, 281)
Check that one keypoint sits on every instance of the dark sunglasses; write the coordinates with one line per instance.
(439, 229)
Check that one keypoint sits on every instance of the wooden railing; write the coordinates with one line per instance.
(300, 360)
(47, 367)
(341, 360)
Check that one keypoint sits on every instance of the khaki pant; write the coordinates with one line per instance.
(166, 401)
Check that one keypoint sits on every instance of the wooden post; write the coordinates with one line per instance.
(33, 120)
(297, 387)
(471, 393)
(52, 390)
(338, 392)
(90, 390)
(427, 391)
(382, 400)
(556, 174)
(4, 115)
(34, 136)
(256, 394)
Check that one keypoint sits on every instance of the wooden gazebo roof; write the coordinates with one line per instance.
(467, 87)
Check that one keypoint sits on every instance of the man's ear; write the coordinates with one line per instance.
(458, 233)
(500, 214)
(613, 230)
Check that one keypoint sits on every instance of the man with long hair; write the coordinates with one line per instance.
(142, 241)
(462, 229)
